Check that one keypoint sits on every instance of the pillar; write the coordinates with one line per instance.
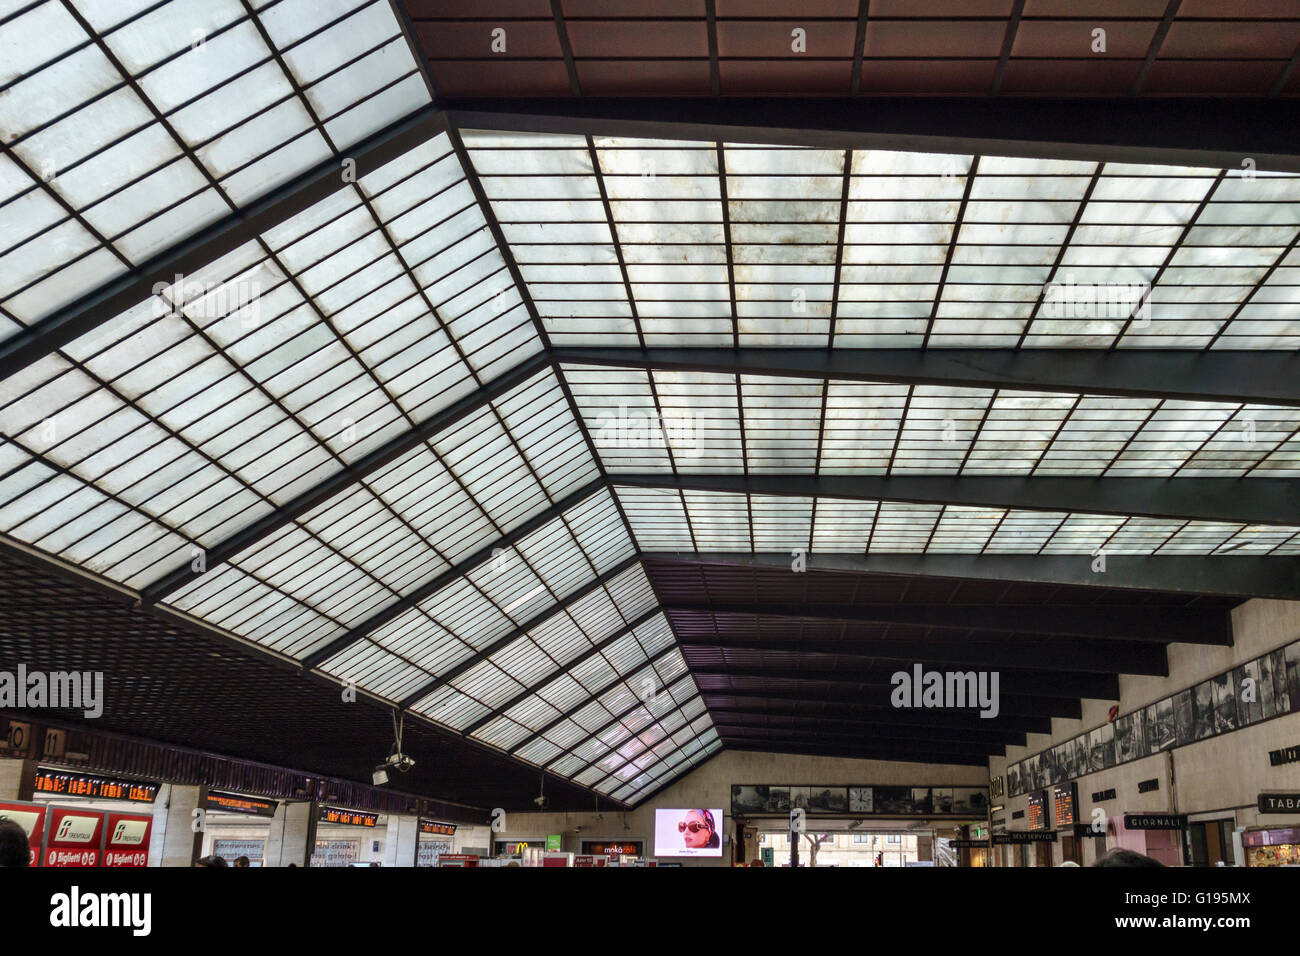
(180, 840)
(292, 837)
(400, 843)
(17, 779)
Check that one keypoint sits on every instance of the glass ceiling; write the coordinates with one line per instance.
(130, 125)
(486, 576)
(645, 242)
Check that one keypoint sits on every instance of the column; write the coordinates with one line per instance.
(17, 778)
(292, 838)
(400, 843)
(180, 841)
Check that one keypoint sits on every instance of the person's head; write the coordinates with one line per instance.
(15, 850)
(1069, 863)
(697, 829)
(213, 862)
(1126, 858)
(756, 862)
(241, 862)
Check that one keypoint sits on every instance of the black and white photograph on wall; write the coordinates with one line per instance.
(1183, 719)
(828, 799)
(893, 799)
(1293, 673)
(860, 800)
(1267, 694)
(1203, 710)
(1030, 779)
(1013, 779)
(1047, 767)
(778, 800)
(1141, 744)
(1281, 693)
(799, 797)
(963, 800)
(923, 800)
(748, 799)
(1162, 738)
(943, 800)
(1250, 708)
(1124, 743)
(1078, 759)
(1225, 704)
(1101, 748)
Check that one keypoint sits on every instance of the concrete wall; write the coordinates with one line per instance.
(710, 786)
(1221, 776)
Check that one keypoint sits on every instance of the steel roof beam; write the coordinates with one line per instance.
(1190, 131)
(1109, 622)
(878, 679)
(1088, 657)
(1254, 377)
(1226, 575)
(1270, 501)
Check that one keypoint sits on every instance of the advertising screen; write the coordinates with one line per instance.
(688, 833)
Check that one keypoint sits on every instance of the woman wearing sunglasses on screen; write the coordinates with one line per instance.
(697, 830)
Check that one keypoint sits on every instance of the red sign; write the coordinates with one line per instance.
(584, 859)
(458, 859)
(76, 837)
(127, 843)
(31, 817)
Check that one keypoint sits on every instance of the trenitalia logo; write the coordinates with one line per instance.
(76, 829)
(129, 832)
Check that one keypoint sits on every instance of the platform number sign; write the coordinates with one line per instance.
(18, 740)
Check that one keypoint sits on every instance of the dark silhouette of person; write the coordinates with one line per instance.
(15, 850)
(1126, 858)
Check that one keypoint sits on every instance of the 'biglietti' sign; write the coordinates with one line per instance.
(1155, 821)
(1279, 803)
(1024, 836)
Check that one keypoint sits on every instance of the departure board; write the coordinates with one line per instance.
(1065, 799)
(1038, 810)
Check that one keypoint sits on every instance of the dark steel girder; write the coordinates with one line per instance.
(868, 750)
(1226, 575)
(1081, 656)
(1273, 501)
(996, 730)
(75, 319)
(1015, 715)
(877, 679)
(458, 570)
(505, 640)
(1192, 131)
(1032, 714)
(1013, 705)
(345, 478)
(745, 730)
(1257, 377)
(1110, 622)
(825, 727)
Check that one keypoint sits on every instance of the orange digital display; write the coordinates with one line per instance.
(441, 829)
(238, 803)
(94, 788)
(352, 818)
